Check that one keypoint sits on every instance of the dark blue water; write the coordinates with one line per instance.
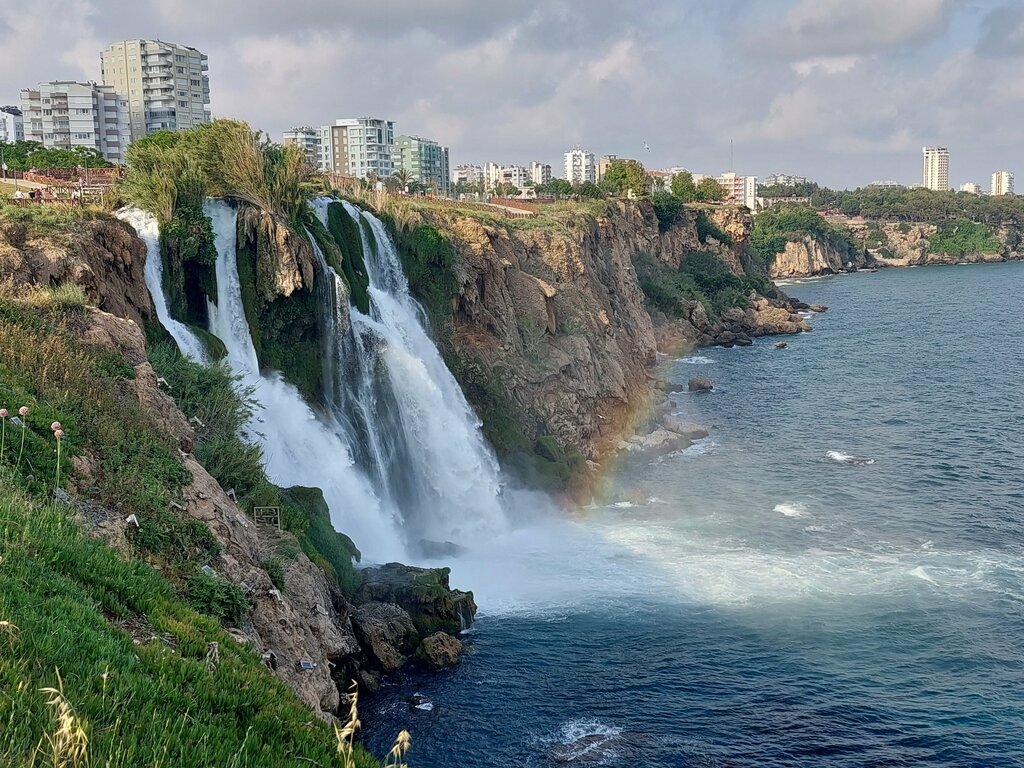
(758, 600)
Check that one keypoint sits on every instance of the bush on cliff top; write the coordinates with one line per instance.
(780, 224)
(963, 238)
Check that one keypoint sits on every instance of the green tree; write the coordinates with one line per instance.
(506, 189)
(667, 208)
(556, 187)
(710, 191)
(683, 187)
(623, 177)
(402, 177)
(588, 189)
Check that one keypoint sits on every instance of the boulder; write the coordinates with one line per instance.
(699, 384)
(439, 650)
(779, 345)
(423, 593)
(687, 429)
(386, 633)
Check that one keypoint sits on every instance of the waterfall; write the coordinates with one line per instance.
(419, 439)
(299, 448)
(148, 230)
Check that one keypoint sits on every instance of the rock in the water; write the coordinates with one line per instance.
(424, 593)
(687, 429)
(386, 633)
(439, 650)
(818, 308)
(699, 384)
(779, 345)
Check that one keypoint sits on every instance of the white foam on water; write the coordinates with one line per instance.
(921, 573)
(697, 360)
(791, 510)
(426, 706)
(587, 741)
(846, 458)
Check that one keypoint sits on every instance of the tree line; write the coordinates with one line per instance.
(26, 155)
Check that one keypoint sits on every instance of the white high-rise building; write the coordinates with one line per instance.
(540, 173)
(739, 189)
(65, 114)
(358, 147)
(1002, 183)
(971, 188)
(936, 168)
(308, 139)
(12, 128)
(492, 176)
(579, 166)
(165, 84)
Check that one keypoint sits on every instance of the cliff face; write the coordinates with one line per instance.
(557, 315)
(904, 244)
(103, 257)
(806, 257)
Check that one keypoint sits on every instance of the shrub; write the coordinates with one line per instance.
(667, 208)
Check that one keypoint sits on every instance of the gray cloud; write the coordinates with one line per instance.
(843, 90)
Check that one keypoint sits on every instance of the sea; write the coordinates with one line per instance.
(834, 577)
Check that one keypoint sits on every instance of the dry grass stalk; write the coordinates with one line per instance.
(346, 734)
(403, 743)
(68, 743)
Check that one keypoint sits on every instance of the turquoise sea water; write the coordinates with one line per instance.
(764, 598)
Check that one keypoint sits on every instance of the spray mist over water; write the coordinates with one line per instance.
(148, 230)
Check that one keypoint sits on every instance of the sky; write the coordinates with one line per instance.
(843, 91)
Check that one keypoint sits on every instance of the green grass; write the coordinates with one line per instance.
(963, 238)
(157, 702)
(61, 222)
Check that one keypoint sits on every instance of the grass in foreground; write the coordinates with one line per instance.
(157, 700)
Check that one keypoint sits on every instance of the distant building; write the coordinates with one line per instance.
(63, 114)
(468, 174)
(308, 139)
(886, 185)
(783, 180)
(768, 202)
(424, 160)
(492, 176)
(739, 189)
(166, 85)
(358, 147)
(579, 166)
(540, 173)
(603, 163)
(936, 168)
(971, 188)
(12, 128)
(1002, 183)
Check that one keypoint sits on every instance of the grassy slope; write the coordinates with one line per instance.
(64, 597)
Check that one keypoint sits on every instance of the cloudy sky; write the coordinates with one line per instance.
(843, 91)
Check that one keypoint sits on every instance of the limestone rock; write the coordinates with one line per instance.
(424, 593)
(386, 633)
(699, 384)
(439, 650)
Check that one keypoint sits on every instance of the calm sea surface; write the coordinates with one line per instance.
(835, 577)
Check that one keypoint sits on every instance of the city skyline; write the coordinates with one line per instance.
(873, 81)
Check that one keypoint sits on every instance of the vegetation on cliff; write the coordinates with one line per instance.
(133, 653)
(780, 224)
(921, 205)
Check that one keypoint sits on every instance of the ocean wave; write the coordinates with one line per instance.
(846, 458)
(791, 510)
(697, 360)
(584, 741)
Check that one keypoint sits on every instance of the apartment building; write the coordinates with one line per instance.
(358, 147)
(165, 84)
(580, 166)
(1002, 183)
(741, 190)
(12, 128)
(603, 163)
(308, 139)
(424, 160)
(64, 114)
(467, 174)
(971, 188)
(936, 168)
(540, 173)
(783, 180)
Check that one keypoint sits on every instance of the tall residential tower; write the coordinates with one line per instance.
(165, 84)
(936, 168)
(1002, 183)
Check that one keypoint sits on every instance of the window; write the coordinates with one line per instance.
(181, 70)
(182, 103)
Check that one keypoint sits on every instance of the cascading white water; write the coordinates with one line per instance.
(421, 440)
(299, 448)
(148, 230)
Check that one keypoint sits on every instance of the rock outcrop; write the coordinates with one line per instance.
(808, 256)
(557, 314)
(104, 258)
(284, 259)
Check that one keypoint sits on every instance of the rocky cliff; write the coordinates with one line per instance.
(312, 634)
(809, 256)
